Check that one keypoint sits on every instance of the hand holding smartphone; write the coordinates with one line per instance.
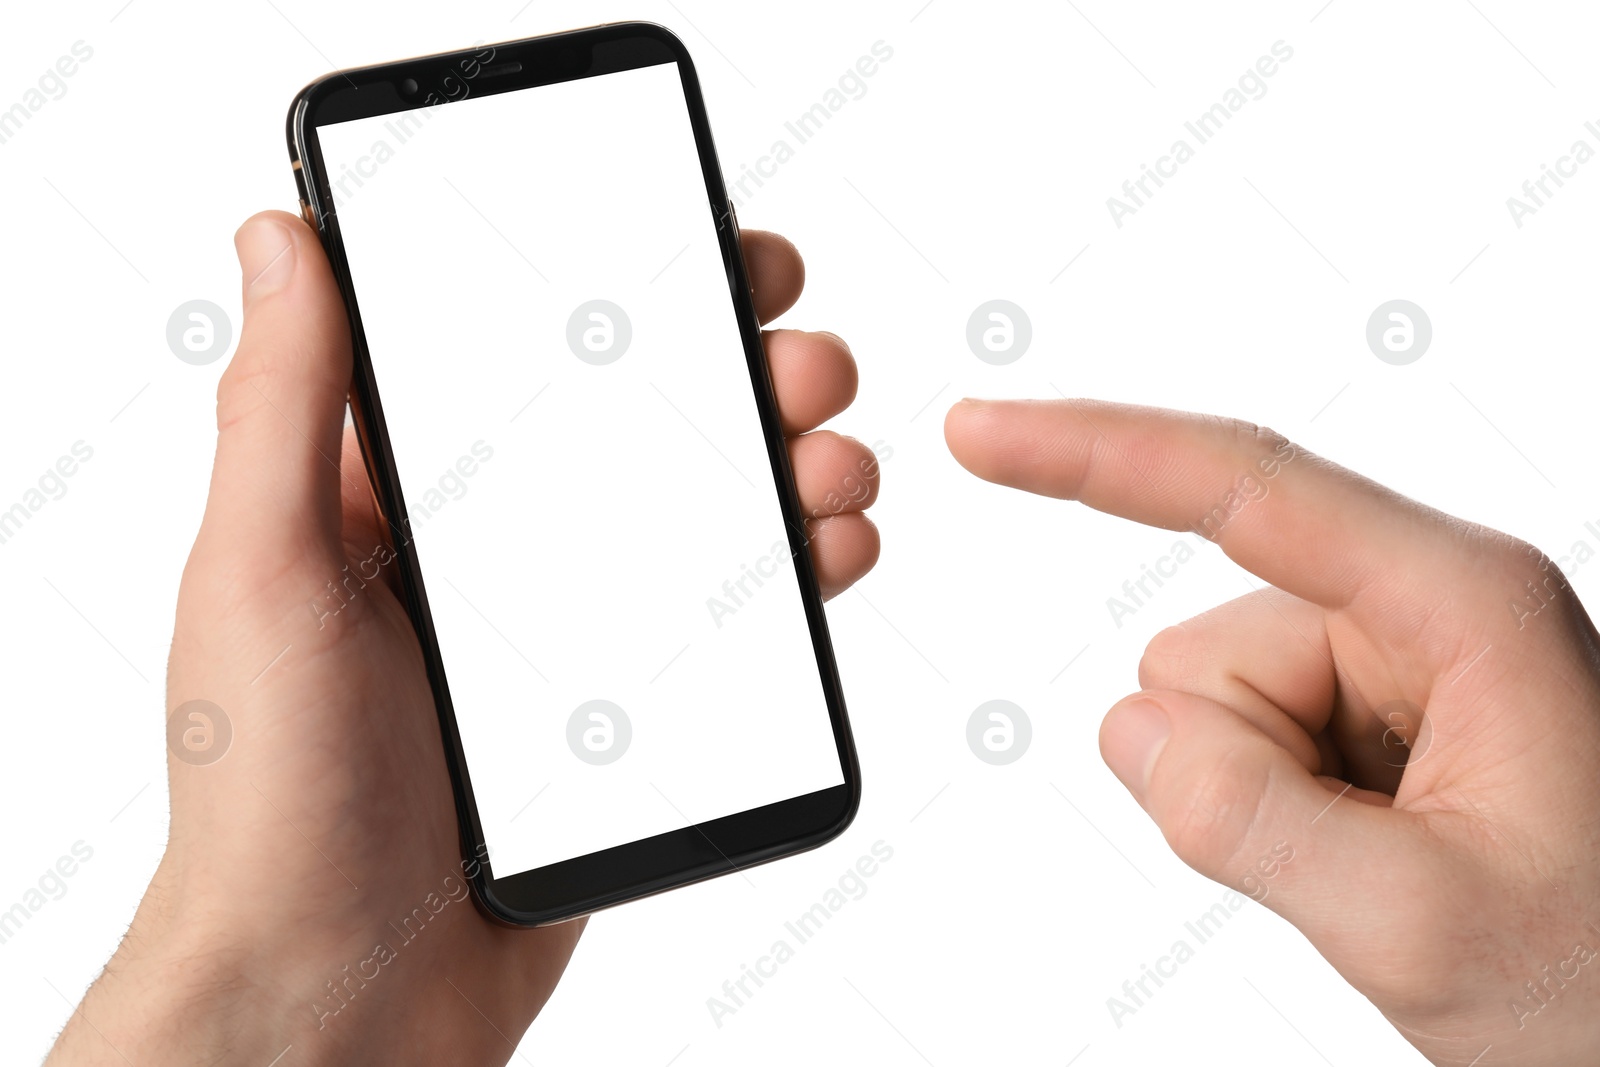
(557, 367)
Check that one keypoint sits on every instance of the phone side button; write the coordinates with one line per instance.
(307, 214)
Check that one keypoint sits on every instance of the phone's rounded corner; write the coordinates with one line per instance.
(501, 914)
(666, 37)
(847, 814)
(302, 103)
(497, 911)
(299, 121)
(658, 32)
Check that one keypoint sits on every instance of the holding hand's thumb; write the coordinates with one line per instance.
(281, 402)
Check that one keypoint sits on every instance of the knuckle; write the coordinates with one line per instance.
(1169, 659)
(1216, 814)
(1526, 569)
(1250, 433)
(1255, 440)
(239, 394)
(1517, 556)
(852, 479)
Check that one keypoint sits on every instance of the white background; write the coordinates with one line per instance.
(594, 468)
(976, 166)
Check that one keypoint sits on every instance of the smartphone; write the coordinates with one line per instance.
(567, 418)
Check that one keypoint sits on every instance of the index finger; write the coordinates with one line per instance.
(777, 273)
(1305, 525)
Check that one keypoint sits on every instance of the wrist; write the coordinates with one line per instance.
(175, 992)
(189, 985)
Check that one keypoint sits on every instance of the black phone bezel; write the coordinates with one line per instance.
(585, 884)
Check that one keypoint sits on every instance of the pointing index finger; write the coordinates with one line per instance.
(1303, 524)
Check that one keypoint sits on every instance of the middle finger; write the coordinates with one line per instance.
(813, 375)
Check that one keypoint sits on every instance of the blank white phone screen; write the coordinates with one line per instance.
(591, 500)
